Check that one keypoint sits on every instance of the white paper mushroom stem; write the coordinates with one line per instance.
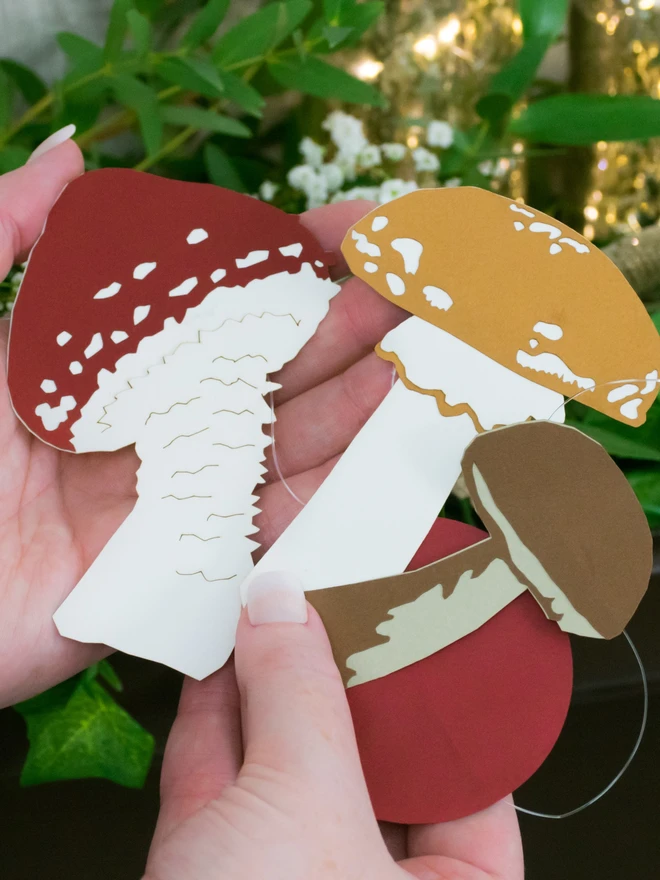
(373, 511)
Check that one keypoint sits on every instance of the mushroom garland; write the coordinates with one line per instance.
(511, 311)
(564, 524)
(152, 312)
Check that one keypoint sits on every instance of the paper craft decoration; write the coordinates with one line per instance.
(152, 312)
(511, 311)
(454, 733)
(564, 524)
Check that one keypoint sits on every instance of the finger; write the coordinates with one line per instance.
(330, 224)
(488, 843)
(321, 422)
(296, 720)
(203, 753)
(357, 320)
(26, 196)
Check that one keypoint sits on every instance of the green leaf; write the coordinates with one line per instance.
(646, 485)
(358, 17)
(622, 441)
(82, 52)
(107, 672)
(13, 157)
(84, 734)
(117, 27)
(258, 34)
(542, 17)
(335, 35)
(141, 98)
(28, 83)
(312, 76)
(205, 23)
(6, 102)
(332, 11)
(205, 120)
(242, 94)
(140, 30)
(513, 80)
(220, 169)
(194, 74)
(577, 120)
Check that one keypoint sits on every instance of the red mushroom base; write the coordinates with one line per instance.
(454, 733)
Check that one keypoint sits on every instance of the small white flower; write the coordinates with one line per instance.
(311, 152)
(452, 182)
(333, 176)
(317, 192)
(346, 165)
(362, 192)
(338, 197)
(346, 132)
(486, 168)
(439, 134)
(267, 190)
(370, 156)
(301, 177)
(394, 152)
(425, 160)
(392, 189)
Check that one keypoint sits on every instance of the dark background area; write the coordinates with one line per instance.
(92, 828)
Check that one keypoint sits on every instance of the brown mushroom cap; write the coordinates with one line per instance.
(570, 505)
(517, 285)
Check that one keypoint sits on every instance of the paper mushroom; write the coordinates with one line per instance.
(511, 313)
(151, 313)
(564, 524)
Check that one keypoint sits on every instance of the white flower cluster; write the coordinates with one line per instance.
(322, 182)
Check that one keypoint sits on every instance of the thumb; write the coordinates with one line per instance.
(296, 719)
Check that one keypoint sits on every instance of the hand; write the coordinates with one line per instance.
(57, 510)
(290, 802)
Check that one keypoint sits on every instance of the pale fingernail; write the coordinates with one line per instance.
(276, 597)
(57, 138)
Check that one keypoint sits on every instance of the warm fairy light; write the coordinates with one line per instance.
(589, 232)
(596, 196)
(601, 18)
(630, 10)
(367, 69)
(591, 212)
(516, 26)
(413, 141)
(633, 221)
(610, 217)
(646, 4)
(640, 180)
(612, 25)
(518, 147)
(634, 241)
(449, 30)
(602, 145)
(427, 47)
(602, 164)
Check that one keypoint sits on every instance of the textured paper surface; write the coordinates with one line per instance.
(454, 733)
(152, 312)
(564, 523)
(517, 286)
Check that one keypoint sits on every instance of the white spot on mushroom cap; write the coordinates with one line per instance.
(370, 267)
(75, 367)
(555, 249)
(363, 245)
(140, 272)
(518, 226)
(319, 263)
(291, 250)
(553, 365)
(630, 407)
(48, 386)
(438, 297)
(533, 343)
(552, 231)
(218, 275)
(118, 336)
(622, 391)
(252, 258)
(379, 223)
(411, 251)
(184, 288)
(140, 313)
(395, 284)
(651, 382)
(53, 416)
(197, 235)
(576, 245)
(94, 346)
(107, 292)
(63, 337)
(520, 210)
(550, 331)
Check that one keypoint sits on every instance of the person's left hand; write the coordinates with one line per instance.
(263, 780)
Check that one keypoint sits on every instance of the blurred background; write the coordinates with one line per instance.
(302, 103)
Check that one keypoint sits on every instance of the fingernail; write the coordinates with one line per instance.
(55, 139)
(276, 597)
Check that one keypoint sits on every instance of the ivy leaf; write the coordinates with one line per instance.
(205, 120)
(27, 82)
(258, 34)
(357, 16)
(513, 80)
(140, 30)
(334, 35)
(82, 52)
(220, 168)
(620, 440)
(137, 96)
(13, 157)
(117, 27)
(646, 485)
(312, 76)
(242, 94)
(106, 671)
(193, 74)
(205, 23)
(81, 732)
(542, 17)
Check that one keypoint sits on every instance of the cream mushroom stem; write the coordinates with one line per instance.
(376, 507)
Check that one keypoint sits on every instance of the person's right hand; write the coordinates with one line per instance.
(263, 781)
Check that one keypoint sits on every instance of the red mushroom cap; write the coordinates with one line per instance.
(122, 251)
